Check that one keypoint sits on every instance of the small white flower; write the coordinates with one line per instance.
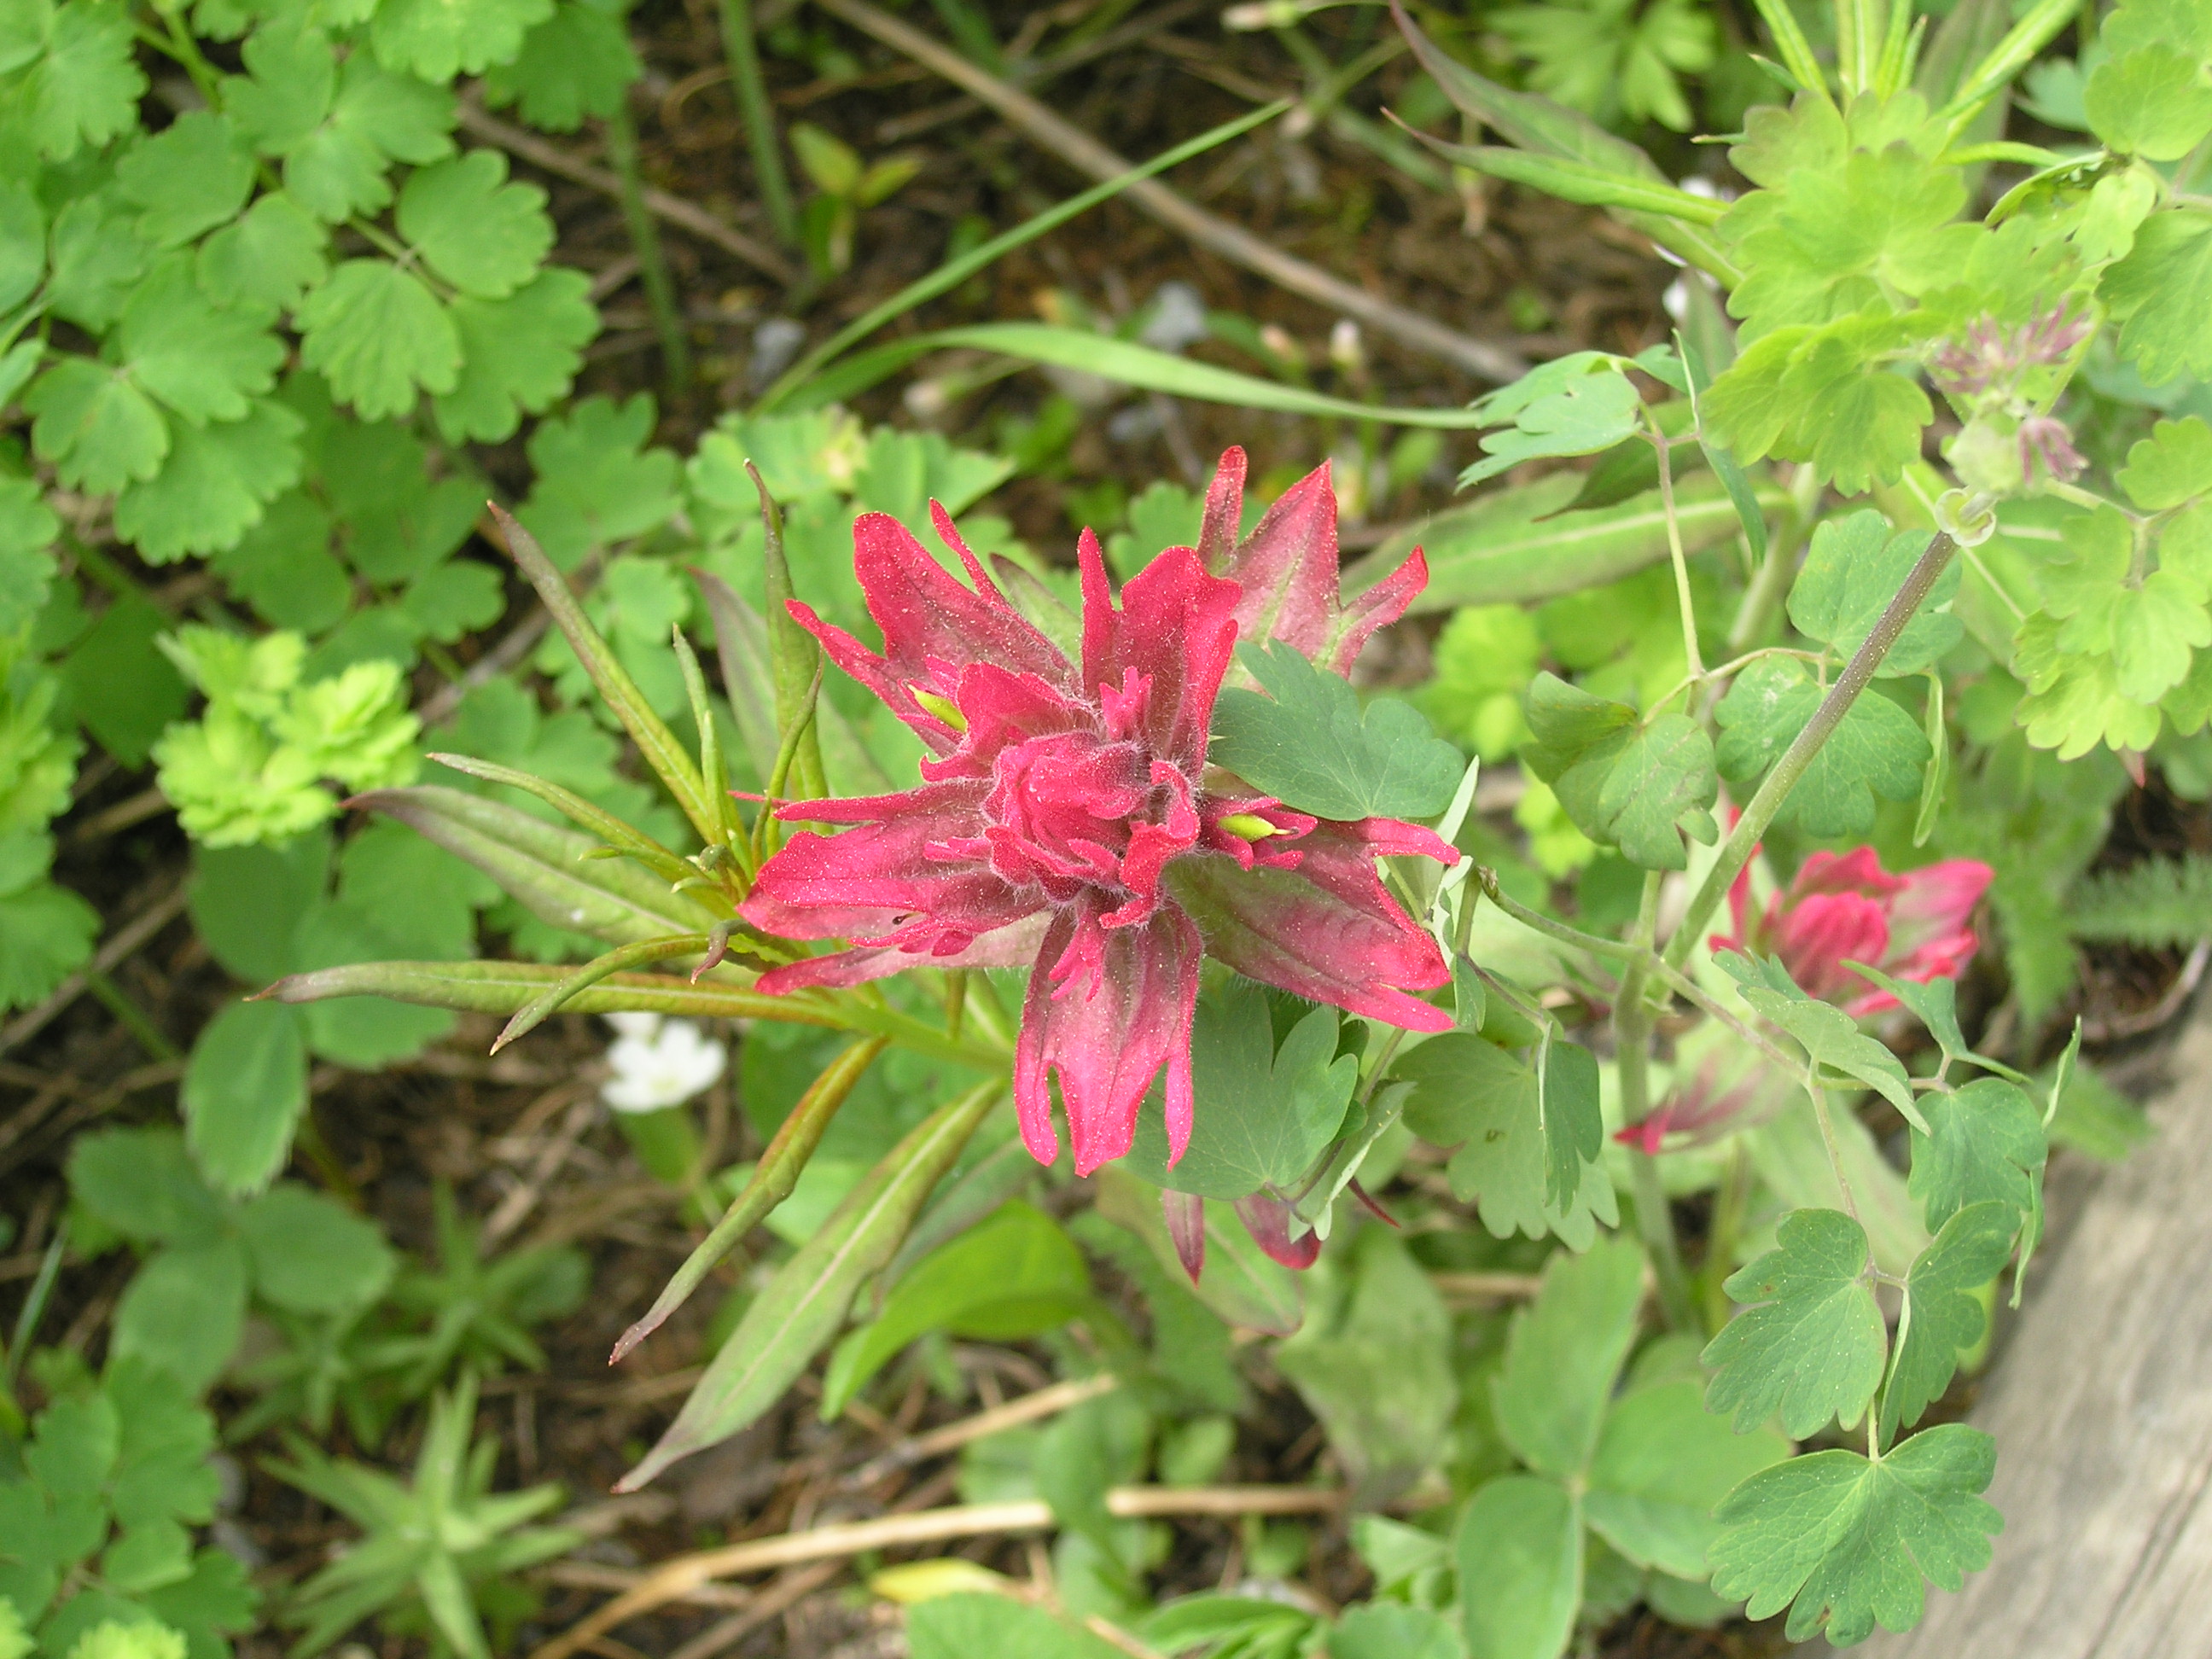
(1676, 300)
(634, 1023)
(660, 1063)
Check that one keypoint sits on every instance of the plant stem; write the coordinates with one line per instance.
(1632, 1032)
(134, 1020)
(1693, 664)
(736, 19)
(1735, 852)
(645, 241)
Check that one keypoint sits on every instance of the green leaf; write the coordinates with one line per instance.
(577, 63)
(1529, 1157)
(1639, 787)
(1663, 1465)
(205, 364)
(119, 685)
(1392, 1630)
(1308, 744)
(1261, 1117)
(46, 932)
(184, 1312)
(1574, 405)
(597, 481)
(1829, 1036)
(1983, 1142)
(142, 1183)
(377, 335)
(337, 166)
(1825, 395)
(188, 178)
(1810, 1343)
(2163, 293)
(2151, 102)
(267, 259)
(214, 486)
(1376, 1370)
(1877, 749)
(970, 1625)
(1241, 1285)
(311, 1255)
(437, 40)
(244, 1090)
(1847, 1543)
(1519, 1544)
(482, 234)
(1012, 1277)
(1942, 1316)
(1564, 1353)
(98, 428)
(800, 1309)
(2171, 466)
(519, 354)
(1852, 571)
(81, 86)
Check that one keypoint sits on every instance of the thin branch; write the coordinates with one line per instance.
(1029, 1408)
(1231, 242)
(684, 215)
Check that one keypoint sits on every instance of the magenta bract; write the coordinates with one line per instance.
(1068, 819)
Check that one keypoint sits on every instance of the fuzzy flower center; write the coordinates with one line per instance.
(1079, 810)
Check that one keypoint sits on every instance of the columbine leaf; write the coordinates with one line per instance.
(1520, 1551)
(1829, 1036)
(267, 259)
(437, 40)
(1263, 1116)
(1811, 1344)
(519, 354)
(212, 488)
(312, 1255)
(2171, 466)
(378, 336)
(1876, 749)
(1564, 1354)
(481, 233)
(1574, 405)
(1639, 787)
(598, 482)
(206, 364)
(1307, 744)
(1985, 1142)
(576, 63)
(2151, 102)
(1941, 1317)
(81, 86)
(244, 1090)
(1850, 1541)
(2163, 289)
(1529, 1156)
(98, 429)
(1852, 571)
(337, 166)
(1664, 1463)
(189, 177)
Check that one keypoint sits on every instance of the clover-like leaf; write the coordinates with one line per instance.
(2163, 292)
(1639, 786)
(1811, 1344)
(1846, 1543)
(1983, 1143)
(1830, 1037)
(1308, 744)
(1851, 572)
(378, 336)
(1942, 1316)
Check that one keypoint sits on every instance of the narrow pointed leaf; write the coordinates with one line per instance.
(790, 1321)
(741, 644)
(502, 987)
(773, 1177)
(654, 740)
(547, 1003)
(544, 866)
(596, 819)
(1590, 182)
(794, 657)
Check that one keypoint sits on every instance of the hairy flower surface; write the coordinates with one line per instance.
(1068, 819)
(1846, 907)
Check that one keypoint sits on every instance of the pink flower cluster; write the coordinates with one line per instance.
(1068, 819)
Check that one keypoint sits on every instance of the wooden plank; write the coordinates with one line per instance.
(2101, 1404)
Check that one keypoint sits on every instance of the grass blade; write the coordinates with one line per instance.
(549, 1001)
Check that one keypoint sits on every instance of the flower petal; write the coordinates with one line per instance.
(928, 616)
(1268, 1219)
(1328, 931)
(1934, 904)
(1014, 945)
(1186, 1219)
(1817, 934)
(1157, 661)
(1107, 1008)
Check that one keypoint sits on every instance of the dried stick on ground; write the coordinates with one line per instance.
(1231, 242)
(684, 215)
(679, 1576)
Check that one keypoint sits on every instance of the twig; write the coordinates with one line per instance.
(121, 815)
(684, 1573)
(2169, 1004)
(523, 1199)
(685, 215)
(131, 937)
(1231, 242)
(726, 1633)
(592, 1576)
(1045, 1402)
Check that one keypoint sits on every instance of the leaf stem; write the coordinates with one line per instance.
(1632, 1032)
(737, 22)
(645, 242)
(1659, 442)
(1736, 851)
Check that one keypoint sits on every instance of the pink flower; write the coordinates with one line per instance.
(1846, 907)
(1067, 817)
